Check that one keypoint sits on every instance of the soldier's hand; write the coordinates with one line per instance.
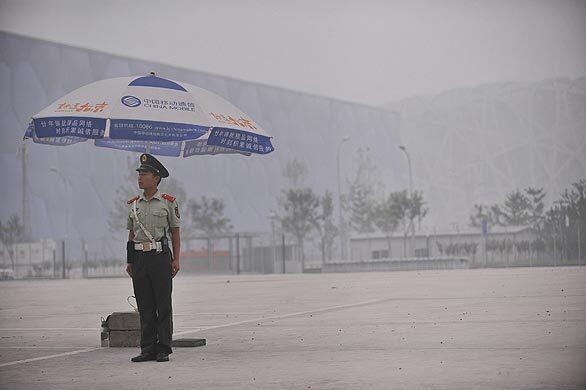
(175, 267)
(129, 269)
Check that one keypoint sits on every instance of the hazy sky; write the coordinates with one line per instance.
(371, 52)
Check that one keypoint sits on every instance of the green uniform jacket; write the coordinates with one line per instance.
(158, 216)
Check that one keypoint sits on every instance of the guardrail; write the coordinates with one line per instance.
(403, 264)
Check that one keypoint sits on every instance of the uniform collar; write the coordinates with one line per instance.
(157, 195)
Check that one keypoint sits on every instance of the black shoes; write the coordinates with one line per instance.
(162, 357)
(144, 357)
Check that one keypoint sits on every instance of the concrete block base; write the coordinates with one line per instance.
(121, 329)
(124, 338)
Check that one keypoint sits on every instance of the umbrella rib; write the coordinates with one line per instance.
(107, 129)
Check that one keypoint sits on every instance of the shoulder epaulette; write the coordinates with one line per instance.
(133, 199)
(168, 197)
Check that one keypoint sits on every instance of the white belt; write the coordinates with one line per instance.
(148, 246)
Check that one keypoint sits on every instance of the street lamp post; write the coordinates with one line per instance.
(402, 147)
(272, 217)
(55, 170)
(340, 217)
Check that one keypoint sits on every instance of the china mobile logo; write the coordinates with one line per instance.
(81, 107)
(130, 101)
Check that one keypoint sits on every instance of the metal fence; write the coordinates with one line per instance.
(238, 253)
(261, 253)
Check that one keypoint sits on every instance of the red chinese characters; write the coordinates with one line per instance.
(229, 120)
(81, 107)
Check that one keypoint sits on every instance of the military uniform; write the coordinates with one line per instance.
(151, 258)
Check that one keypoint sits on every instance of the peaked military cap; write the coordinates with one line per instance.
(151, 164)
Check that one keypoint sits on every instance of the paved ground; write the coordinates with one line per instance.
(462, 329)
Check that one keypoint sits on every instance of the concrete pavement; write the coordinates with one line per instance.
(517, 328)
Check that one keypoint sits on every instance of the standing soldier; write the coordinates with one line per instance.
(152, 216)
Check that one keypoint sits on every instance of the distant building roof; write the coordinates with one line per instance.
(446, 231)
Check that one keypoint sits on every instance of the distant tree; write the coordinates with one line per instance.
(295, 172)
(479, 214)
(516, 209)
(497, 215)
(11, 233)
(173, 187)
(359, 203)
(417, 209)
(325, 226)
(520, 208)
(575, 201)
(490, 214)
(118, 215)
(537, 206)
(388, 215)
(404, 208)
(401, 205)
(299, 211)
(471, 248)
(573, 205)
(554, 226)
(207, 216)
(440, 248)
(561, 227)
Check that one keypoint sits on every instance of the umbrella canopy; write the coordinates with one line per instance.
(149, 114)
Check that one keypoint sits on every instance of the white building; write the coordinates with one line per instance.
(502, 246)
(30, 259)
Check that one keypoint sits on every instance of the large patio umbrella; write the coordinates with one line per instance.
(149, 114)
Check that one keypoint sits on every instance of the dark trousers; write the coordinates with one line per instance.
(153, 283)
